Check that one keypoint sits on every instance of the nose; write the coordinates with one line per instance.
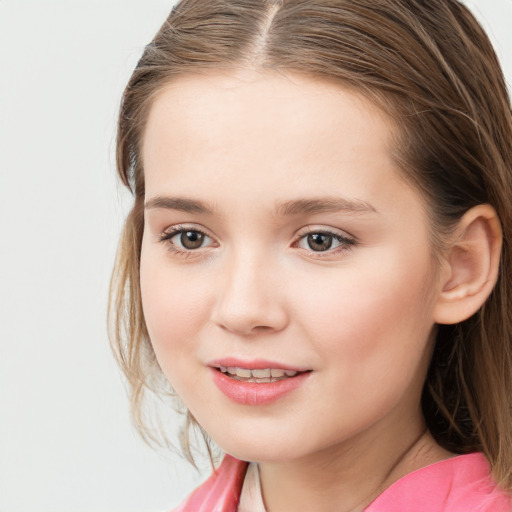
(251, 297)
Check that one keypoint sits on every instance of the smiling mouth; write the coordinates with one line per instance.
(259, 376)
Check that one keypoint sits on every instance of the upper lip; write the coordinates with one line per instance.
(254, 364)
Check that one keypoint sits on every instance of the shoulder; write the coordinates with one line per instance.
(221, 492)
(458, 484)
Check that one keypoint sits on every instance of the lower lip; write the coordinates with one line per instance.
(250, 393)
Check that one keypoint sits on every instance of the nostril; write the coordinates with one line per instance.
(262, 328)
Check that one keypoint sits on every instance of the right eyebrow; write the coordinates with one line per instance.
(324, 205)
(182, 204)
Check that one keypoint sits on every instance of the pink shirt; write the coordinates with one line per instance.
(459, 484)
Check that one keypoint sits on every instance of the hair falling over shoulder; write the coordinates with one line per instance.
(431, 67)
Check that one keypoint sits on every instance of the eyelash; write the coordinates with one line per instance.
(346, 243)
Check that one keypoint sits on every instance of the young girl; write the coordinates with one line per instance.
(318, 259)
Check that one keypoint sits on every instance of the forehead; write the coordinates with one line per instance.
(254, 100)
(262, 131)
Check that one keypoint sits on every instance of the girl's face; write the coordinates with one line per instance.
(279, 237)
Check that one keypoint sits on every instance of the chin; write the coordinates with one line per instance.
(261, 454)
(261, 448)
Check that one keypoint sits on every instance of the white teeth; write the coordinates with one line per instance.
(260, 375)
(243, 372)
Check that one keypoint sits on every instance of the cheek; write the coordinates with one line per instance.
(371, 330)
(376, 311)
(174, 307)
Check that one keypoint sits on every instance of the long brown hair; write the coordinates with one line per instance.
(431, 67)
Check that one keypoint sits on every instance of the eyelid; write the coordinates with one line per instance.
(327, 230)
(171, 231)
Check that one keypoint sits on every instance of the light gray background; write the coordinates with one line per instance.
(66, 444)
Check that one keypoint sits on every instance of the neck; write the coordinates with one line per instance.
(348, 477)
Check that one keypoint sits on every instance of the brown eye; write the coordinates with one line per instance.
(319, 241)
(191, 239)
(186, 240)
(325, 242)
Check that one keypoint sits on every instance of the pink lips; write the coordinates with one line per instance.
(252, 393)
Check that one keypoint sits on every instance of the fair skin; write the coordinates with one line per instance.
(307, 248)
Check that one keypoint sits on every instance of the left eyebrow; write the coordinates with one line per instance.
(324, 205)
(182, 204)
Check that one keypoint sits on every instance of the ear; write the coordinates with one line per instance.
(471, 265)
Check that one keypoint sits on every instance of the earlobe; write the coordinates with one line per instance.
(472, 264)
